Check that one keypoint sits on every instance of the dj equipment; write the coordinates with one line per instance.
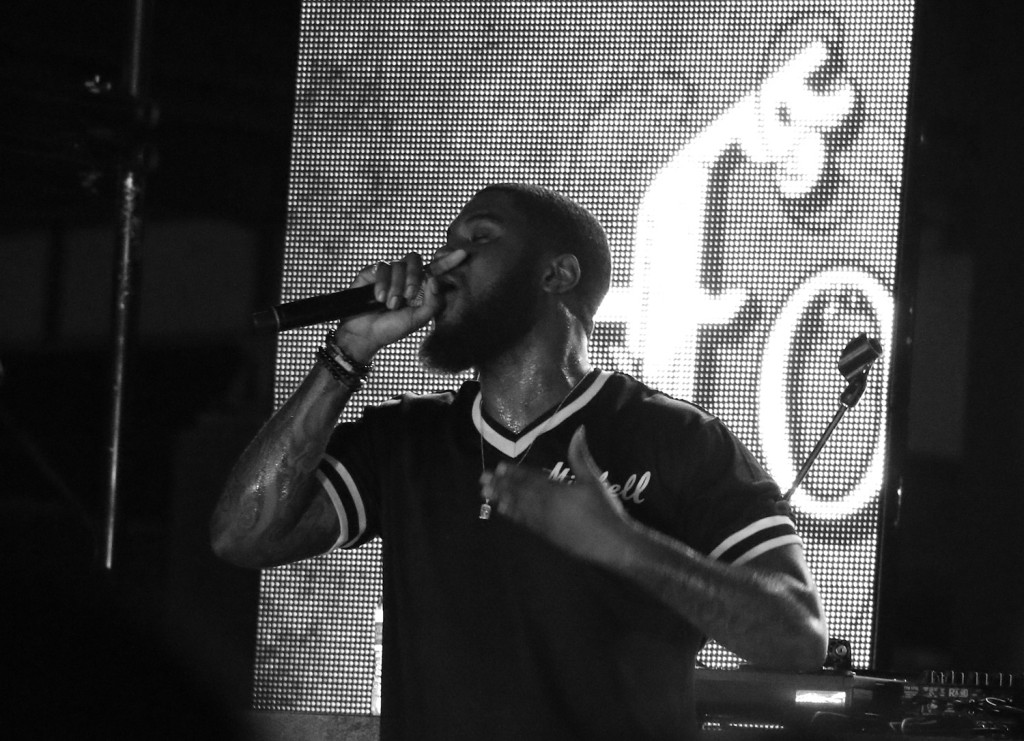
(942, 703)
(751, 697)
(938, 704)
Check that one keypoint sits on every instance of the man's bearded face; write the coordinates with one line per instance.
(481, 327)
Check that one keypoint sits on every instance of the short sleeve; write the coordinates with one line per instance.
(347, 474)
(734, 511)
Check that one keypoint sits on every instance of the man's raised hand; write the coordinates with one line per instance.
(583, 518)
(411, 295)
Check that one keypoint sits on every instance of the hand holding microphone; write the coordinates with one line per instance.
(386, 301)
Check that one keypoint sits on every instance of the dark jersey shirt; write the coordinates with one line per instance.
(491, 632)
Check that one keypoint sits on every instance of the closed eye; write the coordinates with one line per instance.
(476, 229)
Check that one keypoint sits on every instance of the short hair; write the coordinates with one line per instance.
(566, 226)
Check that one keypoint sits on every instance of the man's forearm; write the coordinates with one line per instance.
(267, 513)
(769, 616)
(272, 510)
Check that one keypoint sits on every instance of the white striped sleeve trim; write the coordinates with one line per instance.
(768, 545)
(347, 535)
(757, 538)
(332, 494)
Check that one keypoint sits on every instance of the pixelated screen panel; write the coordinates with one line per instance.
(746, 161)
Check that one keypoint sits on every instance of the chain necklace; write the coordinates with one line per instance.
(485, 507)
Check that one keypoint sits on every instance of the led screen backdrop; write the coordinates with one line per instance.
(746, 161)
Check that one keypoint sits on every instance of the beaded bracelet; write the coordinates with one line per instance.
(360, 369)
(342, 375)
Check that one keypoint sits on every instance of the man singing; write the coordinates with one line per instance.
(558, 541)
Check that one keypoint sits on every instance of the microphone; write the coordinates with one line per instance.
(858, 356)
(317, 309)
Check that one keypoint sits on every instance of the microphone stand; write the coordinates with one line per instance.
(847, 400)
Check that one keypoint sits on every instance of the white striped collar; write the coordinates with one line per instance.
(513, 447)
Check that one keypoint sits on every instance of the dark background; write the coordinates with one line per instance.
(221, 74)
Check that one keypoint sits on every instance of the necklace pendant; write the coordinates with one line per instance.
(485, 511)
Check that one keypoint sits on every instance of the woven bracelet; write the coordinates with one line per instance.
(360, 369)
(341, 374)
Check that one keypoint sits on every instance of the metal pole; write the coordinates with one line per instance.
(131, 185)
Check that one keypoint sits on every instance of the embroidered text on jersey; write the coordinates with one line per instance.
(630, 491)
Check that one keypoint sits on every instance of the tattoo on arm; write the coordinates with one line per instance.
(271, 509)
